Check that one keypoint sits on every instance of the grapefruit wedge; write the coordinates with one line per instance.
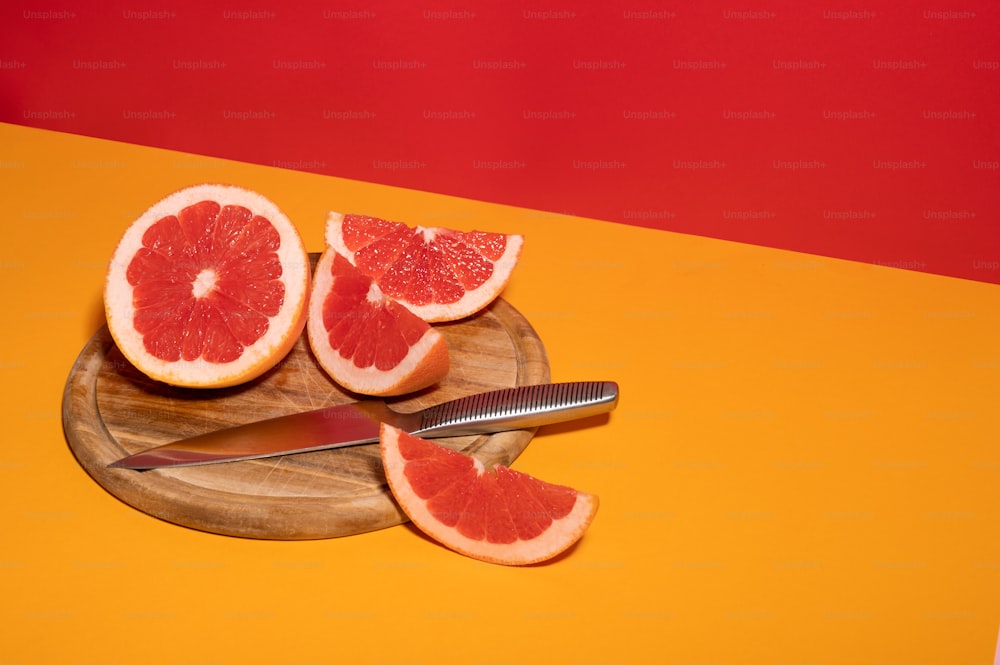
(366, 342)
(499, 515)
(208, 288)
(439, 274)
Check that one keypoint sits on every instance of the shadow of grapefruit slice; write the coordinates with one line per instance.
(497, 515)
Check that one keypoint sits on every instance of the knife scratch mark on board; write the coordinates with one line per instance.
(262, 485)
(458, 374)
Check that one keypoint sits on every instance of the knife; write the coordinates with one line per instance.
(357, 423)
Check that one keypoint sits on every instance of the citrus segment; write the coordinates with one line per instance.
(366, 342)
(499, 515)
(208, 288)
(439, 274)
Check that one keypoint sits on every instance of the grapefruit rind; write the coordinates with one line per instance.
(426, 363)
(562, 534)
(470, 303)
(284, 328)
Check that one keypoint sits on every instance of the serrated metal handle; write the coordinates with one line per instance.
(522, 407)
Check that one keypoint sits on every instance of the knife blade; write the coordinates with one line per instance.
(357, 423)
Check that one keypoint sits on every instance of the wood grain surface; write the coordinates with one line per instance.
(111, 410)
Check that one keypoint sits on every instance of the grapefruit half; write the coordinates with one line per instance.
(498, 515)
(366, 342)
(208, 288)
(439, 274)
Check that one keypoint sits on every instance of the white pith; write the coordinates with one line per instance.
(374, 294)
(199, 372)
(428, 233)
(204, 283)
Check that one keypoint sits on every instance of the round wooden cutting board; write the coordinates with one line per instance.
(111, 410)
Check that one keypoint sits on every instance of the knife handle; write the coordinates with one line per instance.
(522, 407)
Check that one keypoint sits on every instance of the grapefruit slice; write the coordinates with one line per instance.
(208, 288)
(439, 274)
(499, 515)
(366, 342)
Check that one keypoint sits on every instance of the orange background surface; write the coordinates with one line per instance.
(802, 469)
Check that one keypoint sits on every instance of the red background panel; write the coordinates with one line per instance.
(866, 131)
